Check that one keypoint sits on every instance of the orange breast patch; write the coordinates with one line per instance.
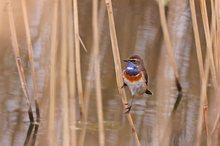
(132, 78)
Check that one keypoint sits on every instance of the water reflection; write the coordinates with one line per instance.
(139, 32)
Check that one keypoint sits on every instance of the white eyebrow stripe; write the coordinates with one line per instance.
(129, 68)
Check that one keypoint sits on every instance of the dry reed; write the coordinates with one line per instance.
(77, 57)
(171, 57)
(203, 101)
(30, 49)
(203, 93)
(88, 86)
(53, 52)
(72, 86)
(167, 39)
(118, 69)
(64, 90)
(20, 68)
(208, 40)
(97, 72)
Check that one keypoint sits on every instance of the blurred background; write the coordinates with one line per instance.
(56, 38)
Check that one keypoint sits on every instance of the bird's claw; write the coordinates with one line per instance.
(127, 108)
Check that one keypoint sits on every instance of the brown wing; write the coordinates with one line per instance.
(145, 72)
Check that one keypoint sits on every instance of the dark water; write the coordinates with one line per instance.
(139, 32)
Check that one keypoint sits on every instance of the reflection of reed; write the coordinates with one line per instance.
(34, 124)
(33, 129)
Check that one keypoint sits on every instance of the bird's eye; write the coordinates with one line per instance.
(133, 61)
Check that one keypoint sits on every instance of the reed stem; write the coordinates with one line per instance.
(118, 69)
(97, 72)
(72, 85)
(64, 90)
(77, 57)
(20, 67)
(53, 53)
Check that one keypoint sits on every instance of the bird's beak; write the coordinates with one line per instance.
(125, 60)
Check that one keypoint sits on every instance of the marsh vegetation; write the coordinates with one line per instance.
(61, 72)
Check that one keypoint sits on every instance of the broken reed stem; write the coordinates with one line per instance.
(97, 72)
(118, 69)
(72, 86)
(203, 110)
(64, 90)
(53, 53)
(18, 59)
(77, 57)
(30, 49)
(208, 41)
(167, 38)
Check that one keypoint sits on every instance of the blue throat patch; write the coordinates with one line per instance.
(131, 69)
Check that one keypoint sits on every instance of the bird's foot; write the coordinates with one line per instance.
(127, 108)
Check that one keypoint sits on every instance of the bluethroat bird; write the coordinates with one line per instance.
(135, 78)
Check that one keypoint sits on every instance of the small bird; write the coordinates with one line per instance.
(136, 78)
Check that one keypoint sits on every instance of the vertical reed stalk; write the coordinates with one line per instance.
(53, 53)
(208, 41)
(97, 72)
(18, 59)
(117, 63)
(77, 57)
(88, 89)
(203, 110)
(64, 90)
(30, 49)
(171, 57)
(217, 6)
(88, 86)
(72, 86)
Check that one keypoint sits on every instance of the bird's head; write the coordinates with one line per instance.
(135, 59)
